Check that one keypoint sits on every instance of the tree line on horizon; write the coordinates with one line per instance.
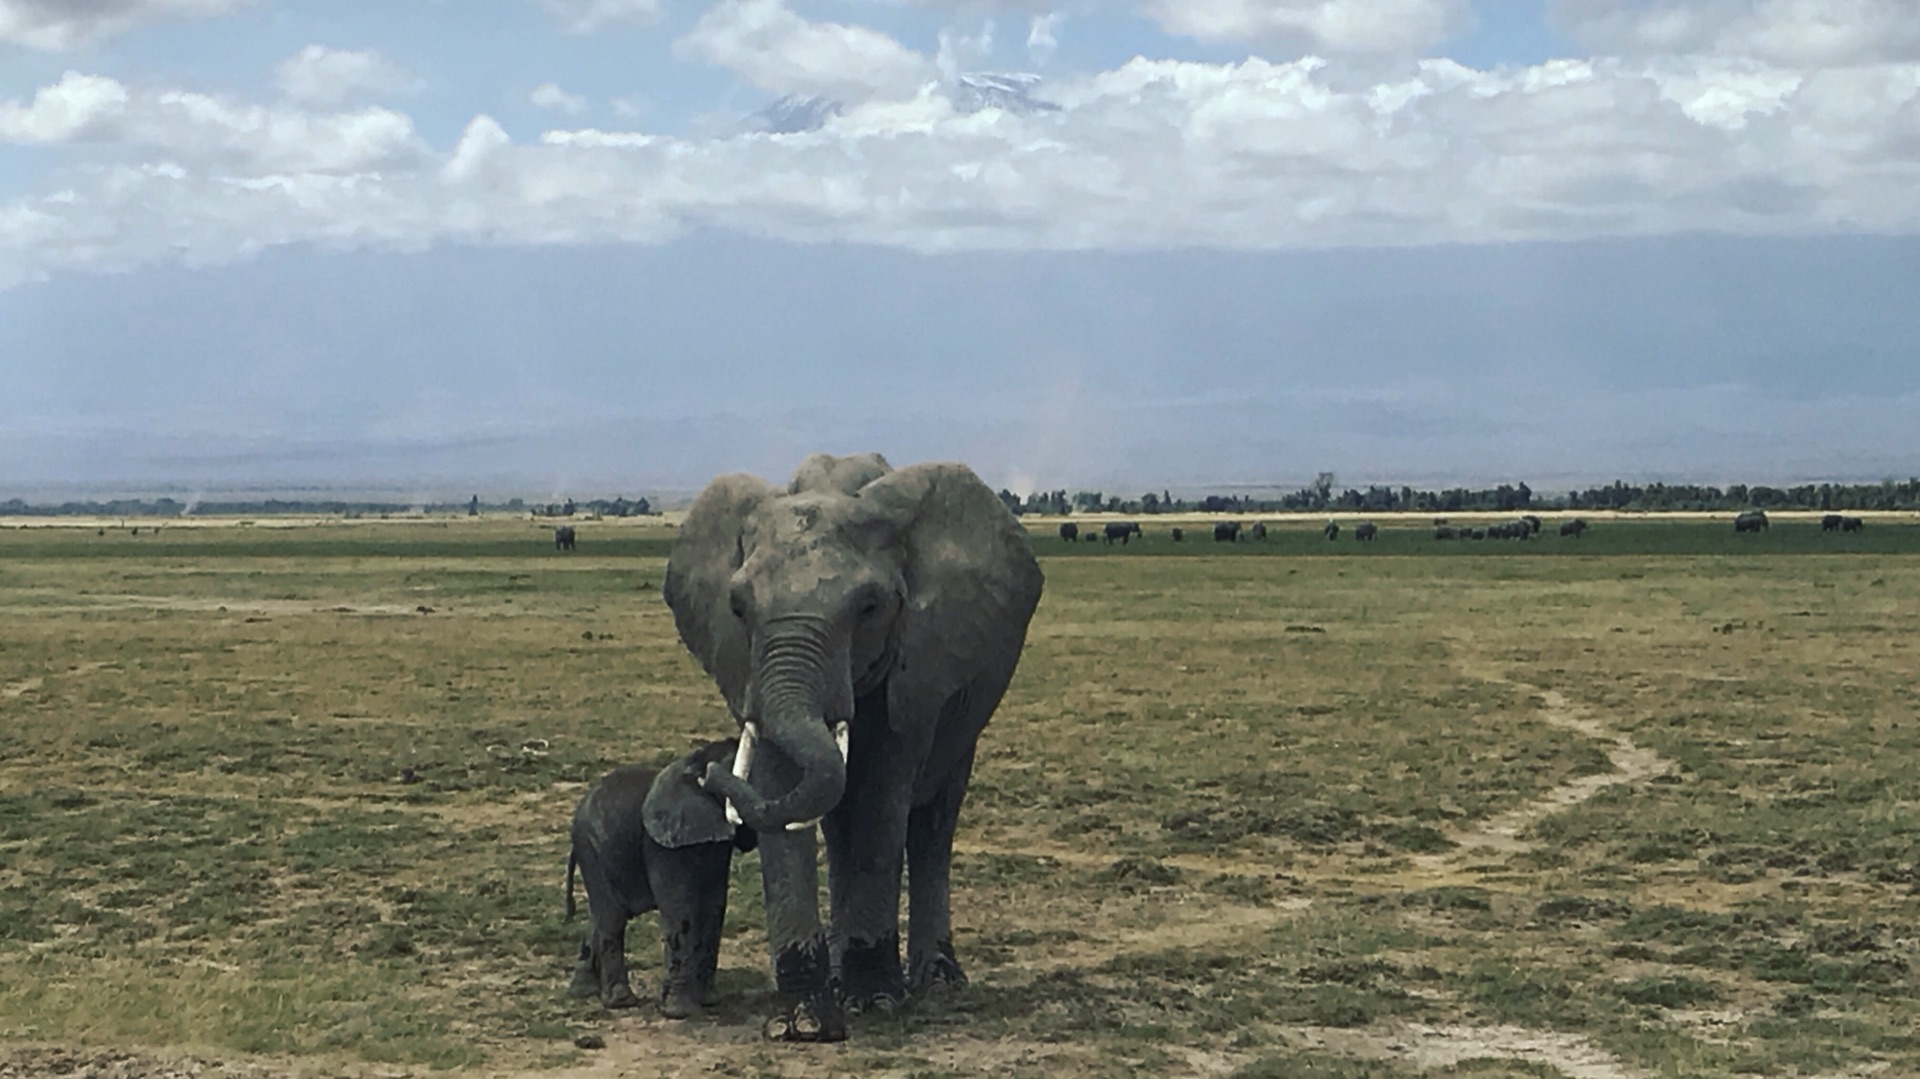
(1320, 497)
(1317, 497)
(351, 509)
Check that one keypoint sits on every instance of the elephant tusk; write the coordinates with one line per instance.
(840, 739)
(742, 760)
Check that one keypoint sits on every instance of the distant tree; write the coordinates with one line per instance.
(1011, 501)
(1149, 503)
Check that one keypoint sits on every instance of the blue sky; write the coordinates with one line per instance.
(549, 246)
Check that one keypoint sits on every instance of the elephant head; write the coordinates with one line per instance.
(856, 580)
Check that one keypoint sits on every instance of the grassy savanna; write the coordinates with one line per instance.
(1641, 803)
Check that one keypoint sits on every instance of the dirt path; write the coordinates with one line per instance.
(1500, 834)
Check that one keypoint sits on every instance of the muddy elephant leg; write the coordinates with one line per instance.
(610, 956)
(865, 837)
(930, 827)
(690, 885)
(809, 1008)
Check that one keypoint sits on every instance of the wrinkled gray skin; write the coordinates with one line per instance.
(897, 601)
(646, 840)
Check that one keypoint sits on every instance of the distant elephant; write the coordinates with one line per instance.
(1091, 537)
(1750, 521)
(1851, 524)
(1069, 531)
(1332, 531)
(1122, 531)
(1258, 531)
(1226, 532)
(1831, 522)
(1573, 528)
(654, 840)
(1365, 531)
(1444, 533)
(1178, 535)
(563, 538)
(1478, 533)
(862, 625)
(1533, 524)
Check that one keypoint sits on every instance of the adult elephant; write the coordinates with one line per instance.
(1851, 524)
(1069, 531)
(1366, 531)
(1122, 531)
(1226, 532)
(563, 538)
(1258, 531)
(1831, 522)
(883, 610)
(1332, 531)
(1750, 521)
(1573, 528)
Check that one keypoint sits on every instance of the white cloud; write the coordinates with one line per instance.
(1328, 27)
(960, 52)
(548, 95)
(317, 75)
(1042, 36)
(1152, 154)
(1793, 32)
(63, 111)
(768, 45)
(587, 16)
(211, 132)
(57, 25)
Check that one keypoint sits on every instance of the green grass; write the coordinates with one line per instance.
(303, 792)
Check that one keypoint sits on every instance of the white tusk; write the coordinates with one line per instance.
(742, 760)
(840, 735)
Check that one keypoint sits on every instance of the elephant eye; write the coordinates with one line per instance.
(869, 608)
(737, 602)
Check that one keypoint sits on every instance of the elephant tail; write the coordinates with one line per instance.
(572, 861)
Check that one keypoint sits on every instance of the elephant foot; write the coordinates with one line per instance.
(870, 976)
(679, 1005)
(585, 985)
(810, 1008)
(619, 996)
(816, 1018)
(938, 972)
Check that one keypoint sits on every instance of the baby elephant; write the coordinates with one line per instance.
(655, 841)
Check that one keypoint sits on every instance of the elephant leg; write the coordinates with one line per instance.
(586, 974)
(690, 884)
(809, 1008)
(930, 827)
(610, 956)
(865, 835)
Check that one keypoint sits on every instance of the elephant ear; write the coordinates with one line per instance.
(823, 472)
(678, 812)
(971, 587)
(706, 552)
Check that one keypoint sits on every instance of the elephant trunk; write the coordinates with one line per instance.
(801, 690)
